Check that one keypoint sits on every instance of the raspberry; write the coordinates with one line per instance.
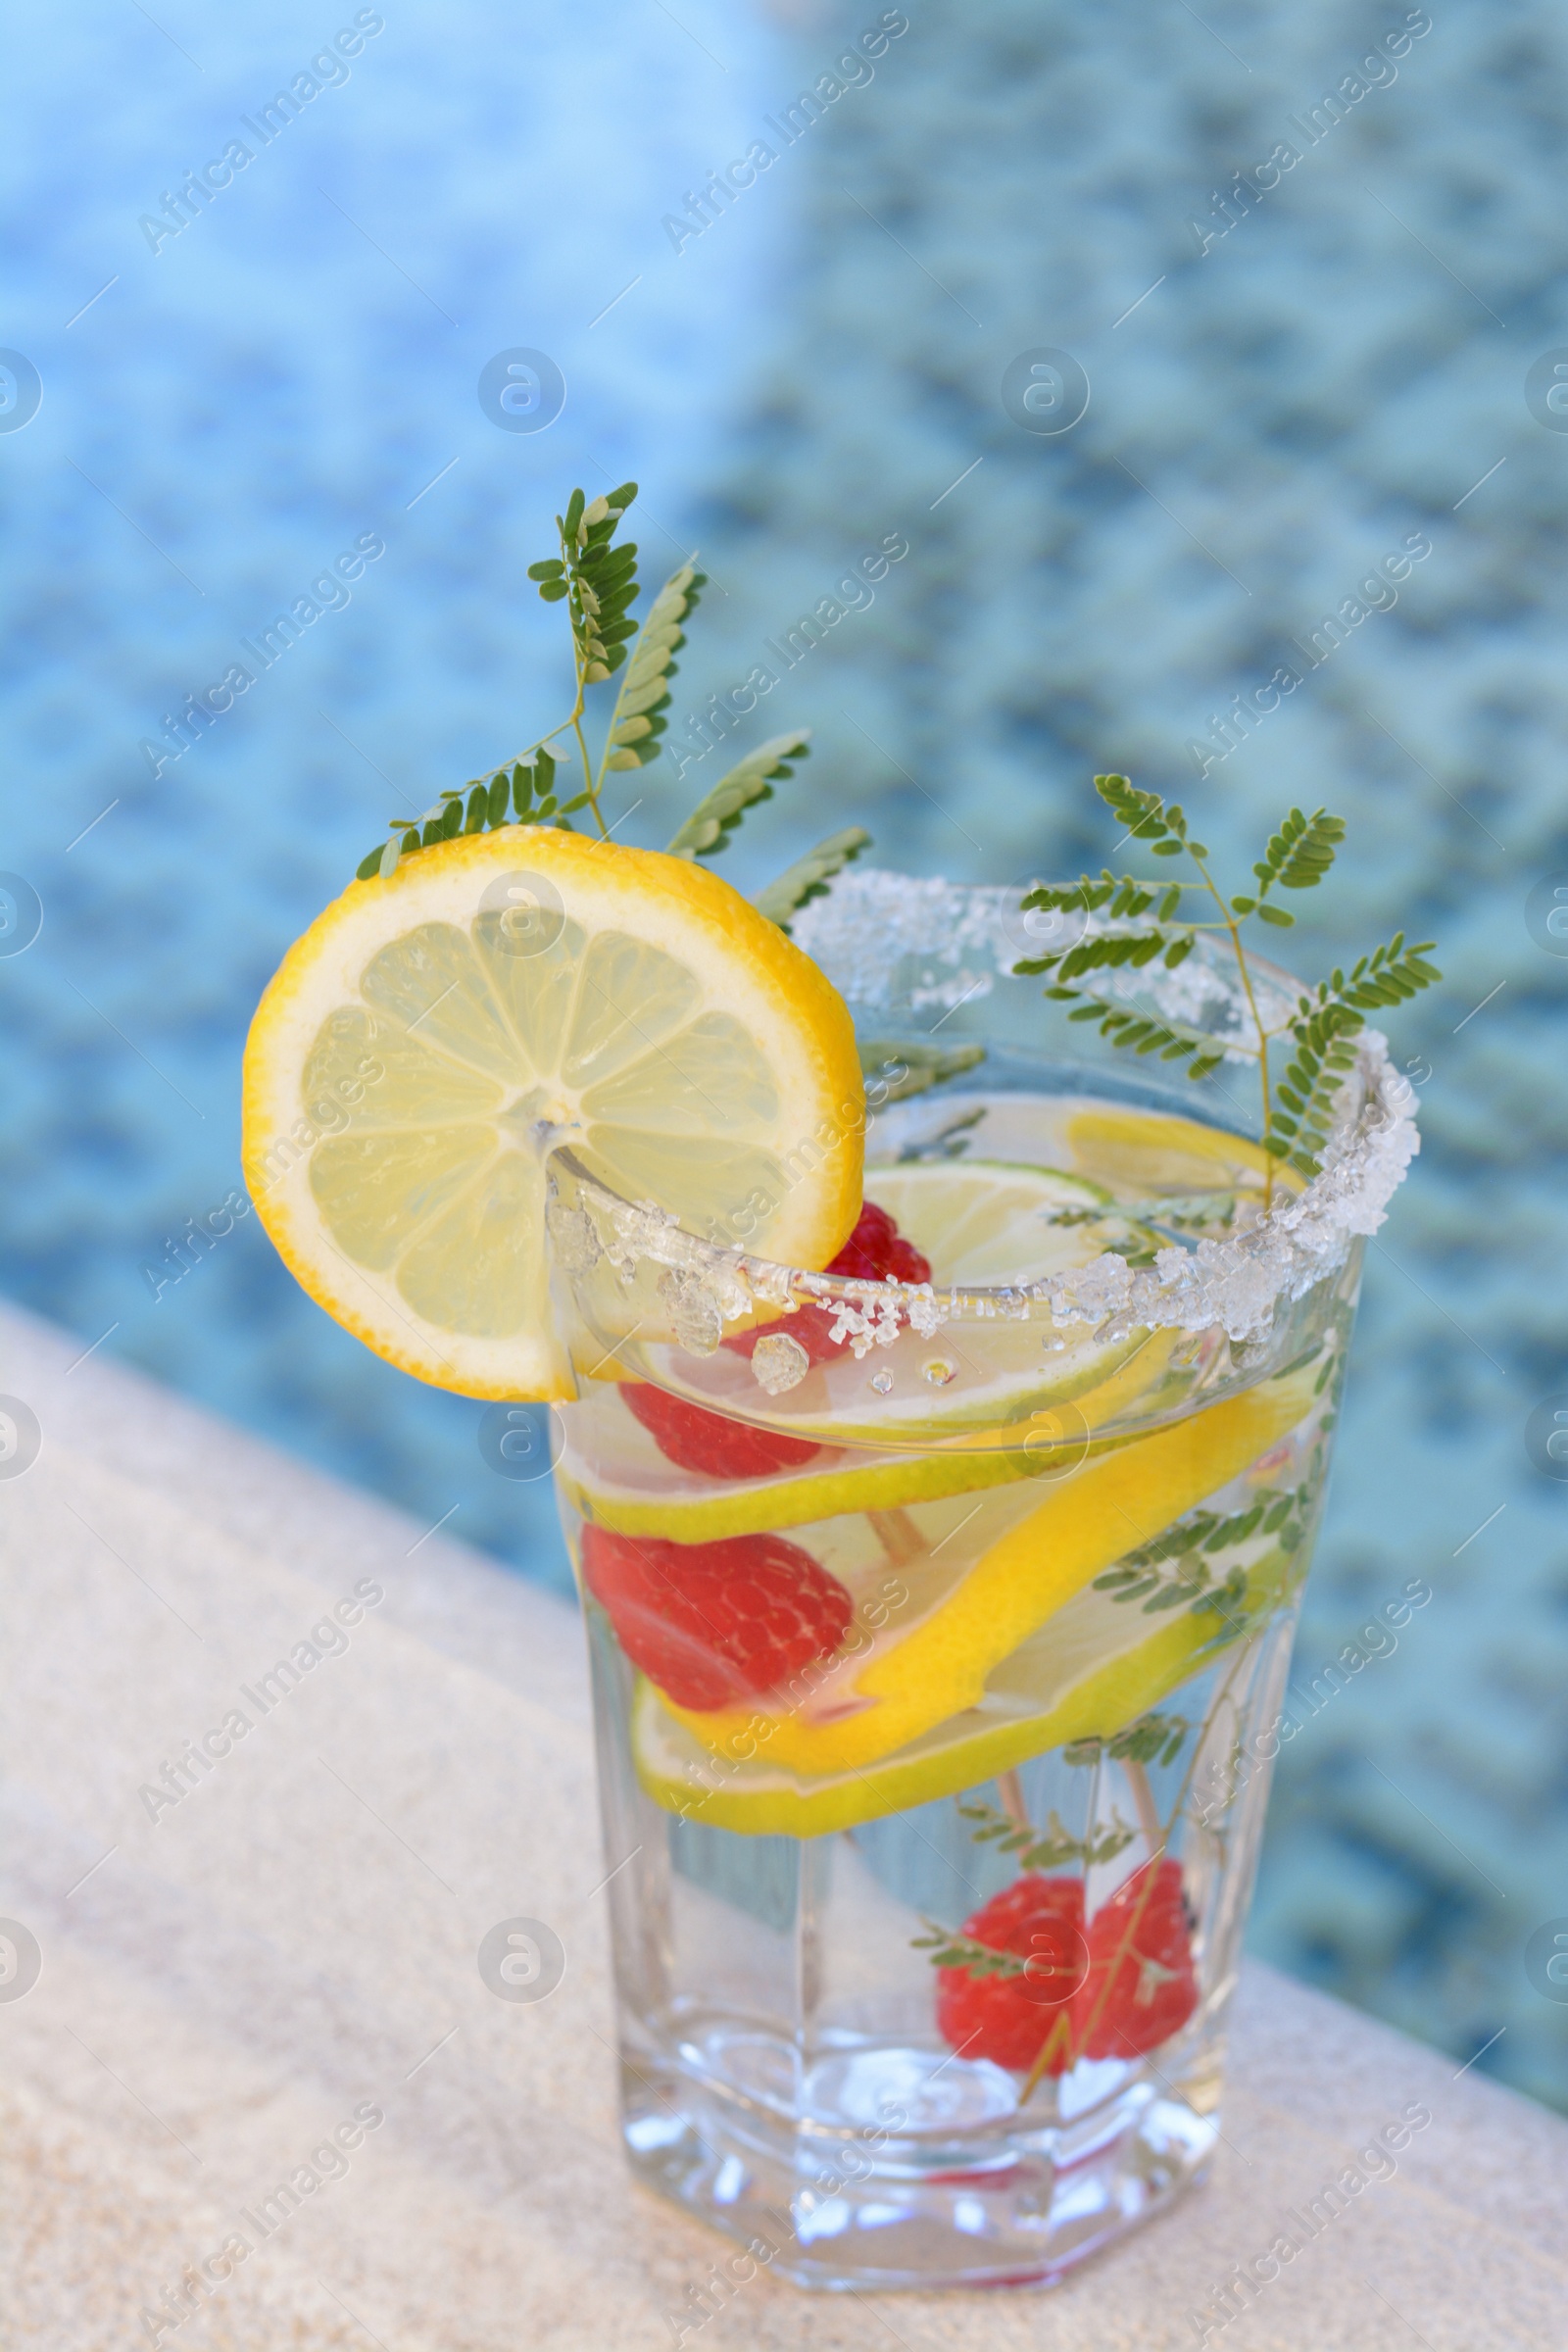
(1141, 1987)
(696, 1439)
(1131, 1986)
(905, 1263)
(715, 1622)
(875, 1251)
(1007, 2018)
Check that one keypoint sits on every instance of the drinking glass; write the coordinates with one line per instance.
(938, 1637)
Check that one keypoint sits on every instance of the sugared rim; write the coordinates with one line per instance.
(1235, 1286)
(872, 935)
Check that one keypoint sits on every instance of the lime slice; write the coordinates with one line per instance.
(1006, 1389)
(1092, 1669)
(932, 1659)
(648, 1495)
(982, 1221)
(428, 1031)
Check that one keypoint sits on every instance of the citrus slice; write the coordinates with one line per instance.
(612, 1472)
(1093, 1669)
(431, 1036)
(981, 1221)
(933, 1662)
(1145, 1161)
(1006, 1389)
(1143, 1154)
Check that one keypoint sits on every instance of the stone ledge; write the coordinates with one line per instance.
(295, 1937)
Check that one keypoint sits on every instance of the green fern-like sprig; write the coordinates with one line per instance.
(1297, 858)
(1298, 1112)
(596, 579)
(1048, 1848)
(903, 1066)
(947, 1948)
(1153, 1738)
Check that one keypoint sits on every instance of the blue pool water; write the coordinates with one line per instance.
(818, 366)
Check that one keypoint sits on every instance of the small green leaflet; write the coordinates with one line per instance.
(637, 721)
(598, 580)
(1297, 858)
(714, 818)
(526, 784)
(809, 876)
(1152, 1738)
(1146, 817)
(947, 1948)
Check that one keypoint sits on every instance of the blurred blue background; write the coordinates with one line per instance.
(1272, 410)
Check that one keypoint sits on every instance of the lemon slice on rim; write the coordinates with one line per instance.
(430, 1035)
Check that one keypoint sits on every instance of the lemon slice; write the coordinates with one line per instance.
(933, 1661)
(1092, 1669)
(430, 1035)
(1142, 1153)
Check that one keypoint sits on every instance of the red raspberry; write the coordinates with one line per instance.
(1007, 2018)
(875, 1251)
(715, 1622)
(1141, 1987)
(906, 1262)
(867, 1249)
(696, 1439)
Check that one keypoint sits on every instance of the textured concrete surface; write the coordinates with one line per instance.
(294, 1939)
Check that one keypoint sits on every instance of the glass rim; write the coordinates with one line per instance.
(1234, 1284)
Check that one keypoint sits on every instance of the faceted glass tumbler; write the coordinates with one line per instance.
(934, 1743)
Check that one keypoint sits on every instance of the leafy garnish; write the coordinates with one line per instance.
(1146, 913)
(1048, 1848)
(1297, 858)
(950, 1950)
(909, 1066)
(808, 877)
(949, 1143)
(1176, 1571)
(1035, 1849)
(637, 720)
(1152, 1738)
(715, 817)
(597, 581)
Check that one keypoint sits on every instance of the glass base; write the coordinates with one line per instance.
(964, 2192)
